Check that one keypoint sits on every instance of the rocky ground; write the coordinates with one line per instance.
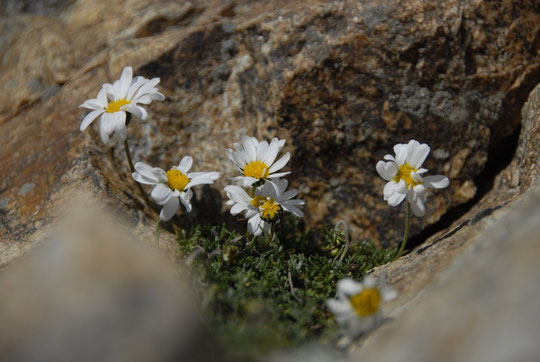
(342, 82)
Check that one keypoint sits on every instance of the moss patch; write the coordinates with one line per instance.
(259, 296)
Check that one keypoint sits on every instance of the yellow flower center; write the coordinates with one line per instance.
(404, 173)
(176, 180)
(257, 201)
(366, 302)
(268, 206)
(116, 105)
(256, 169)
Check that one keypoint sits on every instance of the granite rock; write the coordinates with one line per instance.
(342, 81)
(414, 272)
(482, 306)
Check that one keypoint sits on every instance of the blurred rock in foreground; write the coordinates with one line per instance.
(91, 292)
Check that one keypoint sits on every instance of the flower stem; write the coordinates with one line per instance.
(253, 188)
(346, 236)
(158, 224)
(406, 234)
(132, 168)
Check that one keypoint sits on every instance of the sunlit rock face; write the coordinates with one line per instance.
(342, 81)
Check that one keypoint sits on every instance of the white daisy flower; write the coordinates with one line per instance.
(403, 174)
(264, 207)
(114, 100)
(357, 305)
(173, 186)
(256, 159)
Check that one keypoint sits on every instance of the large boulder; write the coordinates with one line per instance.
(342, 81)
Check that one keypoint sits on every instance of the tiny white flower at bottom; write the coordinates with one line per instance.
(357, 306)
(173, 186)
(264, 207)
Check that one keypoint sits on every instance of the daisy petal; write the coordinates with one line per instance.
(143, 99)
(205, 179)
(339, 307)
(89, 118)
(238, 208)
(417, 206)
(248, 181)
(169, 209)
(419, 189)
(387, 170)
(273, 150)
(280, 174)
(419, 155)
(369, 282)
(119, 121)
(292, 209)
(412, 146)
(136, 83)
(237, 194)
(279, 164)
(396, 198)
(107, 123)
(104, 136)
(121, 134)
(137, 111)
(389, 189)
(254, 225)
(436, 181)
(185, 164)
(145, 170)
(401, 153)
(143, 179)
(91, 104)
(262, 149)
(388, 294)
(401, 187)
(125, 81)
(349, 287)
(161, 193)
(185, 197)
(102, 97)
(156, 96)
(289, 194)
(250, 146)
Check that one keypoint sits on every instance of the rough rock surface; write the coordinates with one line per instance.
(416, 270)
(342, 81)
(467, 293)
(483, 307)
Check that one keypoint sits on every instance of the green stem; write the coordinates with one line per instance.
(158, 224)
(132, 168)
(253, 188)
(406, 234)
(346, 235)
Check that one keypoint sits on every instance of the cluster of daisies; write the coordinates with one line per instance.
(263, 195)
(267, 195)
